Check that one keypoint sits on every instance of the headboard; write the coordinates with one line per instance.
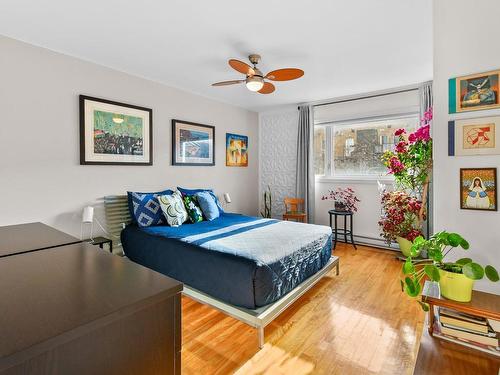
(117, 215)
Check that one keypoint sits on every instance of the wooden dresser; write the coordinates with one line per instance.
(76, 310)
(25, 238)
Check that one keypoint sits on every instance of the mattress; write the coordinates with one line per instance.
(241, 260)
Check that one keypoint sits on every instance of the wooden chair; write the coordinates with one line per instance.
(294, 210)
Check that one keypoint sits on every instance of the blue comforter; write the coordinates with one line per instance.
(242, 260)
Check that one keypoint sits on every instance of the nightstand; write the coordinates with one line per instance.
(100, 241)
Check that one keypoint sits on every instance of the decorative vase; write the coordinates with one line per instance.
(339, 206)
(455, 286)
(405, 246)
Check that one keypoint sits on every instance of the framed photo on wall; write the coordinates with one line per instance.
(236, 150)
(113, 133)
(478, 136)
(192, 143)
(474, 92)
(478, 189)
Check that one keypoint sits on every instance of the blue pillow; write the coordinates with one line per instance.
(145, 209)
(194, 191)
(207, 205)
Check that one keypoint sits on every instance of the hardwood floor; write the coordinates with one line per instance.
(356, 323)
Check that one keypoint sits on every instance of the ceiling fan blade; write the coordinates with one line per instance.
(267, 88)
(241, 67)
(286, 74)
(227, 83)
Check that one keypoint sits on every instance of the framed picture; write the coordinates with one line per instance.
(192, 143)
(478, 189)
(474, 92)
(236, 150)
(479, 136)
(113, 133)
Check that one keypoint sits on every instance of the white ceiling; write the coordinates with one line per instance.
(344, 46)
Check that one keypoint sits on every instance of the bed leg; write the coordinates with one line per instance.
(260, 334)
(338, 268)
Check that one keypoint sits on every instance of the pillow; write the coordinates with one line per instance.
(173, 209)
(194, 213)
(145, 208)
(207, 205)
(194, 191)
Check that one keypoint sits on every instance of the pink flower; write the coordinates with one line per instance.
(401, 147)
(399, 132)
(395, 165)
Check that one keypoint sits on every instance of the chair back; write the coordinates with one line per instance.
(294, 205)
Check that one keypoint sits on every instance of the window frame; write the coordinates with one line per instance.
(329, 176)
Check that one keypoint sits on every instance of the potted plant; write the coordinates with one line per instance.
(344, 199)
(411, 162)
(456, 278)
(399, 221)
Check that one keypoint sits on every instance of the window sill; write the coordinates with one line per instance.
(355, 179)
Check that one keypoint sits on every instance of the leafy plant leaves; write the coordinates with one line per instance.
(412, 287)
(491, 273)
(463, 261)
(424, 306)
(432, 271)
(473, 271)
(408, 267)
(454, 239)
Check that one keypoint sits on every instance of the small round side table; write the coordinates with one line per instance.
(336, 231)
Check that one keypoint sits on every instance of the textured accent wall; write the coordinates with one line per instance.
(278, 156)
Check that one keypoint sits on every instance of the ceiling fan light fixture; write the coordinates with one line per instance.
(254, 83)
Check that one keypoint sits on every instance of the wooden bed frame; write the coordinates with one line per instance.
(117, 216)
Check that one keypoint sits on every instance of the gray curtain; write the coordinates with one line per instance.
(426, 102)
(305, 161)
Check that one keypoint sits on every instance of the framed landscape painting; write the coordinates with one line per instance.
(479, 136)
(236, 150)
(113, 133)
(474, 92)
(192, 143)
(478, 189)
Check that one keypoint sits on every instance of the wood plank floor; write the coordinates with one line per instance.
(355, 323)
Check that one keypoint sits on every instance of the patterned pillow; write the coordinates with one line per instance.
(145, 208)
(173, 209)
(194, 212)
(184, 192)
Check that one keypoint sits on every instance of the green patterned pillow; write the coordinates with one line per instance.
(173, 209)
(193, 210)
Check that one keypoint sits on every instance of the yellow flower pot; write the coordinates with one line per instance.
(405, 246)
(455, 286)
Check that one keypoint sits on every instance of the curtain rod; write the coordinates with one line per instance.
(364, 97)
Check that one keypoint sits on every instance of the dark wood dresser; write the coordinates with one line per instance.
(25, 238)
(76, 310)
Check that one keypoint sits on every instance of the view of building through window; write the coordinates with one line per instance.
(355, 149)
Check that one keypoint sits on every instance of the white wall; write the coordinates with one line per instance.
(278, 131)
(41, 179)
(458, 51)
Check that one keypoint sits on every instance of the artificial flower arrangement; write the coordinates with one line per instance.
(345, 199)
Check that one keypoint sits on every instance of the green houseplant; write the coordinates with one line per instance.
(456, 278)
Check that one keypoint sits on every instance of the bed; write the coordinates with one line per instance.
(250, 268)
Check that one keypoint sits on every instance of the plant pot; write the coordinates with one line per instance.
(339, 206)
(455, 286)
(405, 246)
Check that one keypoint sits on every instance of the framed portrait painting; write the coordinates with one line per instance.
(192, 143)
(236, 150)
(479, 136)
(474, 92)
(113, 133)
(478, 189)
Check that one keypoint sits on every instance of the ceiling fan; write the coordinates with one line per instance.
(255, 80)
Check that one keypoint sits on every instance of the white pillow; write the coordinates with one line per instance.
(173, 209)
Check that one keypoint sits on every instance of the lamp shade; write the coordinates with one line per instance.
(88, 214)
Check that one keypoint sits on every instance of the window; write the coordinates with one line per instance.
(354, 148)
